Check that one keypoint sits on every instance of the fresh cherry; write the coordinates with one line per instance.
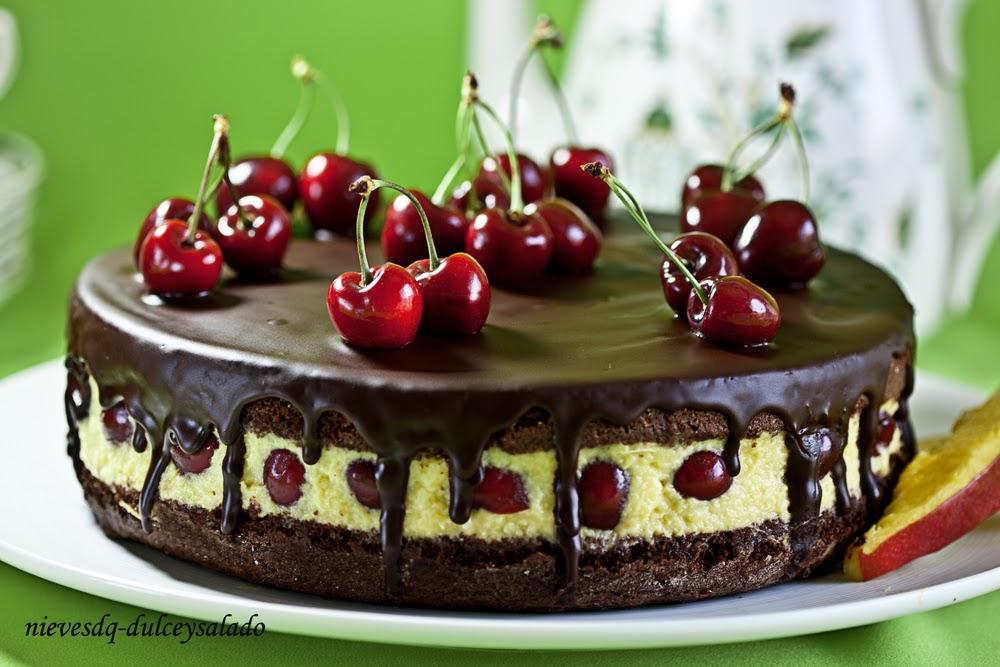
(491, 190)
(461, 196)
(718, 212)
(886, 430)
(283, 477)
(260, 175)
(254, 235)
(603, 490)
(818, 442)
(385, 312)
(705, 257)
(175, 208)
(323, 189)
(500, 492)
(703, 475)
(456, 295)
(576, 241)
(779, 245)
(512, 248)
(708, 177)
(192, 464)
(571, 183)
(117, 425)
(403, 240)
(361, 480)
(173, 264)
(738, 312)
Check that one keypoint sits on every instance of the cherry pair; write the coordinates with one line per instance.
(589, 195)
(385, 307)
(179, 258)
(776, 243)
(322, 186)
(720, 306)
(515, 244)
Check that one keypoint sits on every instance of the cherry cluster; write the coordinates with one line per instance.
(734, 242)
(180, 252)
(254, 198)
(386, 306)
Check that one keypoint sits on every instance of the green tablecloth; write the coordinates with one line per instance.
(118, 95)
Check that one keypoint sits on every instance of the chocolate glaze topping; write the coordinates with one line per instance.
(603, 347)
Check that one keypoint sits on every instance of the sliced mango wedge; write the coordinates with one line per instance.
(950, 487)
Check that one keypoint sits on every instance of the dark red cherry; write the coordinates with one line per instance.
(818, 442)
(500, 492)
(456, 295)
(361, 480)
(384, 313)
(117, 425)
(192, 464)
(738, 312)
(705, 255)
(703, 475)
(512, 248)
(572, 183)
(886, 430)
(576, 241)
(175, 208)
(256, 249)
(779, 245)
(403, 239)
(323, 189)
(283, 476)
(709, 177)
(461, 197)
(260, 175)
(603, 490)
(535, 184)
(172, 266)
(722, 214)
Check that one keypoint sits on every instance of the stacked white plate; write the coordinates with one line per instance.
(20, 172)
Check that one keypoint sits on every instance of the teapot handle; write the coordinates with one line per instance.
(940, 22)
(980, 221)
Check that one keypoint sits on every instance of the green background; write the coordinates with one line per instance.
(118, 96)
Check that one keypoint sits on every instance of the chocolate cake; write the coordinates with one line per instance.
(481, 446)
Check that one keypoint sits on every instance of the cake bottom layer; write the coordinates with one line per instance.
(464, 573)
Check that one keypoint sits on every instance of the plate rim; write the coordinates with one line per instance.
(566, 631)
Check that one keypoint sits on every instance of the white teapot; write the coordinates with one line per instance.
(667, 84)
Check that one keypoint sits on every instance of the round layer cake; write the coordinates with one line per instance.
(480, 446)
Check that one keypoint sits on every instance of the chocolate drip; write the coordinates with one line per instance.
(232, 474)
(139, 441)
(76, 402)
(603, 347)
(392, 476)
(158, 460)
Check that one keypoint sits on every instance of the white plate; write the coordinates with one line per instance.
(54, 536)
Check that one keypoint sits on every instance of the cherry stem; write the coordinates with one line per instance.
(631, 204)
(484, 148)
(462, 131)
(516, 199)
(362, 187)
(781, 121)
(221, 130)
(225, 161)
(545, 34)
(727, 171)
(800, 149)
(751, 168)
(307, 97)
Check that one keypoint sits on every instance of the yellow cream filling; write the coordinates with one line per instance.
(654, 507)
